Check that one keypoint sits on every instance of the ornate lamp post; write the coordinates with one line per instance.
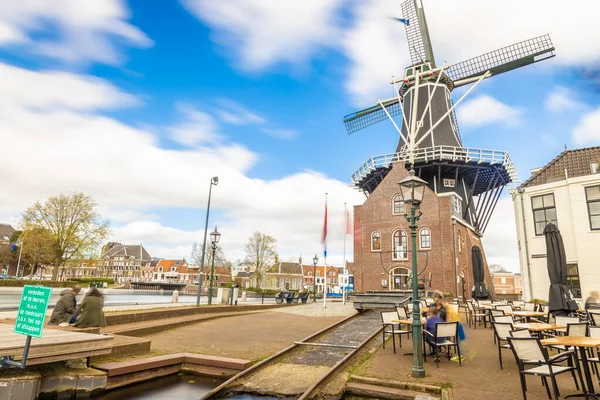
(214, 239)
(214, 181)
(412, 190)
(315, 262)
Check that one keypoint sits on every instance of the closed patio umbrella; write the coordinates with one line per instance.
(560, 298)
(479, 289)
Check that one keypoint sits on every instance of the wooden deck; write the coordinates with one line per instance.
(54, 345)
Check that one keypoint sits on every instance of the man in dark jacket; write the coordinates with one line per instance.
(65, 307)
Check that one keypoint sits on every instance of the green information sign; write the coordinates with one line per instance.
(32, 310)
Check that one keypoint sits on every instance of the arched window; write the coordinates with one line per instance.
(425, 235)
(458, 237)
(375, 241)
(399, 208)
(399, 245)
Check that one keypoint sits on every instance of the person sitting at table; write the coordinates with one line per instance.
(592, 299)
(432, 319)
(440, 306)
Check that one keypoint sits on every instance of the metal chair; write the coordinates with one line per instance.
(594, 332)
(529, 307)
(529, 352)
(505, 308)
(501, 333)
(520, 333)
(573, 329)
(476, 316)
(518, 303)
(594, 318)
(504, 319)
(447, 332)
(560, 320)
(402, 314)
(391, 328)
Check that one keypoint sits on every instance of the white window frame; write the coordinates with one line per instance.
(421, 238)
(403, 254)
(394, 205)
(372, 242)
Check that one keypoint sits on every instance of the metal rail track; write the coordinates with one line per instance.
(224, 388)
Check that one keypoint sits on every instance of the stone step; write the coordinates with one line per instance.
(368, 391)
(143, 328)
(126, 317)
(124, 346)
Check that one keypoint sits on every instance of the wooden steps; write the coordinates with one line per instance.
(54, 345)
(366, 391)
(143, 328)
(124, 346)
(139, 370)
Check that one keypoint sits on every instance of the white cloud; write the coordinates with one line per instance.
(500, 239)
(587, 130)
(264, 32)
(232, 112)
(485, 110)
(198, 128)
(60, 143)
(562, 100)
(79, 30)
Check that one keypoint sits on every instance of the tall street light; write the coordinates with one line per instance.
(214, 181)
(214, 239)
(315, 262)
(412, 190)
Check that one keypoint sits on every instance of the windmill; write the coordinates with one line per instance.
(430, 140)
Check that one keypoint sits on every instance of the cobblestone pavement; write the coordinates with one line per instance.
(333, 309)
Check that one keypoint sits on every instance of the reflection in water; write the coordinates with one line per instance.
(180, 387)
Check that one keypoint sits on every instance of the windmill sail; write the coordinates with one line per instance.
(417, 33)
(372, 115)
(502, 60)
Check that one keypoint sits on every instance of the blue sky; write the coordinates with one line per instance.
(140, 105)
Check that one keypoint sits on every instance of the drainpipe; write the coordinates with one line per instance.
(520, 191)
(455, 257)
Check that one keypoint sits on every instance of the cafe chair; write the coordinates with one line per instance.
(594, 318)
(560, 320)
(532, 359)
(573, 329)
(501, 333)
(520, 333)
(449, 332)
(403, 314)
(506, 309)
(476, 316)
(391, 328)
(595, 333)
(529, 307)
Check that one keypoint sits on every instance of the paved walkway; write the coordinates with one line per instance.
(251, 336)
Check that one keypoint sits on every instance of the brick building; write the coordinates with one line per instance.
(507, 283)
(382, 256)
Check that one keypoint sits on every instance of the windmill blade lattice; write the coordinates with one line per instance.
(503, 60)
(417, 34)
(372, 115)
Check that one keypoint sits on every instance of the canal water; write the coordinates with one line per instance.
(175, 387)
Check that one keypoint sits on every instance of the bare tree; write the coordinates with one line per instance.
(220, 259)
(497, 269)
(74, 223)
(261, 252)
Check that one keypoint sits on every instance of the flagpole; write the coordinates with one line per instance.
(344, 265)
(325, 255)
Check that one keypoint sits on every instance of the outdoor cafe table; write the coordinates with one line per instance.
(539, 327)
(526, 314)
(582, 343)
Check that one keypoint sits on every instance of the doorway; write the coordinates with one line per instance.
(399, 278)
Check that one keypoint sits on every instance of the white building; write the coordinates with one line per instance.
(566, 192)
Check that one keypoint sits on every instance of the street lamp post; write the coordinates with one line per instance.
(214, 181)
(315, 262)
(412, 190)
(214, 239)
